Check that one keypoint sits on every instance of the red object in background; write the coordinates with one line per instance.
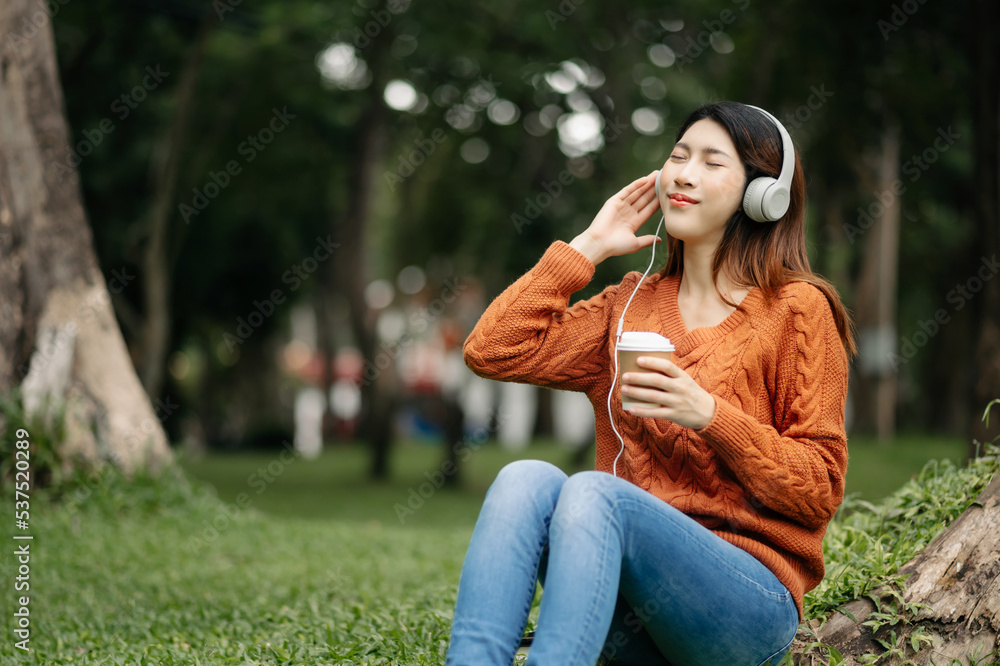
(307, 364)
(302, 362)
(348, 364)
(451, 334)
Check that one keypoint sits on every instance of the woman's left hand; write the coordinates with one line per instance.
(680, 398)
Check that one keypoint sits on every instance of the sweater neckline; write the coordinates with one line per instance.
(685, 340)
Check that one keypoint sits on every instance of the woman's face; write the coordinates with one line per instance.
(701, 184)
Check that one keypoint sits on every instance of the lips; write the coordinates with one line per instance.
(678, 199)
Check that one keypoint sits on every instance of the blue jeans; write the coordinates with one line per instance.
(625, 576)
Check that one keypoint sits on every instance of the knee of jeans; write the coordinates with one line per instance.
(585, 494)
(526, 480)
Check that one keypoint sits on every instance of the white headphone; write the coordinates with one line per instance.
(766, 199)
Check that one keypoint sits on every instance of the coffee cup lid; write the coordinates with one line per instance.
(644, 341)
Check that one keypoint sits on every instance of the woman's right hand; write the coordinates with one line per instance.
(612, 233)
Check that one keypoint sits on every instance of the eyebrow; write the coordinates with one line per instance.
(709, 150)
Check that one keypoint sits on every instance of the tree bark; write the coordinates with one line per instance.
(876, 297)
(957, 575)
(17, 326)
(50, 285)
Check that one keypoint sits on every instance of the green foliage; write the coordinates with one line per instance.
(986, 412)
(458, 216)
(866, 543)
(893, 612)
(107, 493)
(43, 434)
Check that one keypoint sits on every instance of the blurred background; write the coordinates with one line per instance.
(301, 208)
(243, 241)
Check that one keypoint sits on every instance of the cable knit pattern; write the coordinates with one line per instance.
(767, 474)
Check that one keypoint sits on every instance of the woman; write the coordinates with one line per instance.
(700, 547)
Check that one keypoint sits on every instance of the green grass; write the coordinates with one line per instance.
(315, 568)
(336, 486)
(867, 542)
(875, 470)
(116, 580)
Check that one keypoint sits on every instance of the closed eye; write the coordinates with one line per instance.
(712, 164)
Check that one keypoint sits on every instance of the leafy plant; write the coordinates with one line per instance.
(866, 544)
(45, 436)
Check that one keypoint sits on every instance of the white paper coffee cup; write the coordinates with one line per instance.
(634, 344)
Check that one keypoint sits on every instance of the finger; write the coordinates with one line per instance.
(650, 412)
(646, 241)
(649, 206)
(658, 364)
(643, 209)
(645, 197)
(649, 395)
(640, 379)
(639, 189)
(633, 189)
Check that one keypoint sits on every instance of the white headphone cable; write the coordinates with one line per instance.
(618, 335)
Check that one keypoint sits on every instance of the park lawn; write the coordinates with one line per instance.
(119, 580)
(306, 562)
(337, 485)
(875, 470)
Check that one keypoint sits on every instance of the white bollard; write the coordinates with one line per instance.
(309, 405)
(519, 405)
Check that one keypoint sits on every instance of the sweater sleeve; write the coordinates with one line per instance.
(796, 467)
(530, 335)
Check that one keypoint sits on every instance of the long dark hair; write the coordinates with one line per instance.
(767, 255)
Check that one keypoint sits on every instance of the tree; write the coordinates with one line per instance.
(876, 299)
(55, 302)
(165, 172)
(202, 269)
(351, 227)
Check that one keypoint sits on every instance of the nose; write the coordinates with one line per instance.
(685, 176)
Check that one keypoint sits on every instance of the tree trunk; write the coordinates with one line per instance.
(376, 392)
(375, 423)
(17, 325)
(51, 288)
(156, 265)
(986, 152)
(876, 297)
(957, 575)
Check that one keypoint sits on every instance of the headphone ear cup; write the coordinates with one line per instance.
(657, 185)
(753, 199)
(775, 203)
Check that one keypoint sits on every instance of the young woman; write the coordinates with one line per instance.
(699, 547)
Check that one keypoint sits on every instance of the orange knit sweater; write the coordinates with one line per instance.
(767, 474)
